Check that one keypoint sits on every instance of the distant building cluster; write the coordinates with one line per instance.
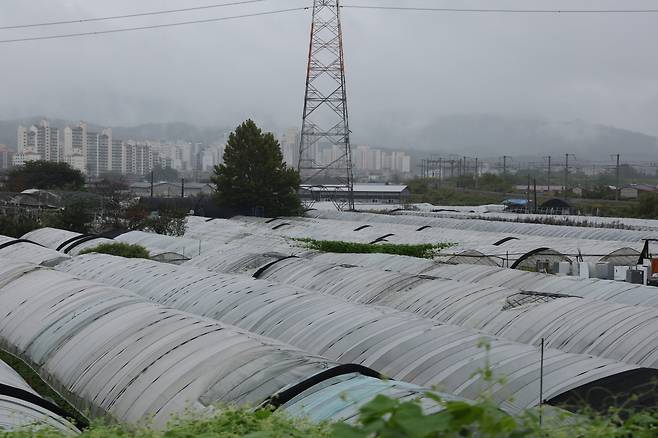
(365, 159)
(99, 152)
(373, 160)
(93, 153)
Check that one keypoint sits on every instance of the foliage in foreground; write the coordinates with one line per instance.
(119, 249)
(423, 250)
(384, 417)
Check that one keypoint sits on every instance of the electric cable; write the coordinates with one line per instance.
(503, 11)
(154, 26)
(134, 15)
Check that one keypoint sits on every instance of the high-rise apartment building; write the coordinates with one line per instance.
(91, 157)
(104, 151)
(6, 157)
(22, 142)
(138, 159)
(290, 147)
(116, 156)
(48, 144)
(38, 142)
(75, 146)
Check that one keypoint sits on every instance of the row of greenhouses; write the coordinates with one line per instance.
(239, 311)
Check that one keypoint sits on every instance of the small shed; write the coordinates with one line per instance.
(363, 193)
(557, 206)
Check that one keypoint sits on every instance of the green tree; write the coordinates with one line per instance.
(647, 206)
(254, 175)
(17, 224)
(44, 175)
(74, 217)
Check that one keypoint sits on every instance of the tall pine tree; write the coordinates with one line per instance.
(254, 175)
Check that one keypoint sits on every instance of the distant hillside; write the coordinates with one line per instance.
(479, 135)
(489, 135)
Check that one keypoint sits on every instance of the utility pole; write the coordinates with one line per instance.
(325, 117)
(477, 182)
(618, 175)
(151, 183)
(534, 205)
(440, 170)
(527, 197)
(182, 187)
(566, 175)
(548, 174)
(505, 157)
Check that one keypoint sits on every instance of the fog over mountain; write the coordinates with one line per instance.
(482, 135)
(488, 135)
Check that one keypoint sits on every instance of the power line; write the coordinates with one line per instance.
(506, 11)
(137, 14)
(154, 26)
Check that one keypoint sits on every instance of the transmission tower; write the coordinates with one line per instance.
(325, 154)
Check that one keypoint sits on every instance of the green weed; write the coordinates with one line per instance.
(424, 250)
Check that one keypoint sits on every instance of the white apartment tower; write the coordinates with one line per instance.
(75, 146)
(48, 145)
(137, 158)
(290, 147)
(104, 151)
(38, 142)
(92, 140)
(116, 156)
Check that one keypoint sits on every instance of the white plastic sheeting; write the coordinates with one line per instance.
(500, 227)
(19, 412)
(73, 243)
(340, 398)
(497, 213)
(29, 252)
(592, 288)
(608, 290)
(68, 242)
(230, 248)
(184, 246)
(574, 325)
(112, 352)
(400, 345)
(502, 249)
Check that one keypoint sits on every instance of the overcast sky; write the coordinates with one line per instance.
(404, 68)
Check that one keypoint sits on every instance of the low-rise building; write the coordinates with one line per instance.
(633, 191)
(166, 189)
(363, 193)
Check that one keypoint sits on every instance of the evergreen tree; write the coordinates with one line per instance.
(44, 175)
(254, 175)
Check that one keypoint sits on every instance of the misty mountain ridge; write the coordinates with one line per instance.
(487, 135)
(482, 135)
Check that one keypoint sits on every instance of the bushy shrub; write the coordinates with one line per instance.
(423, 250)
(15, 225)
(119, 249)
